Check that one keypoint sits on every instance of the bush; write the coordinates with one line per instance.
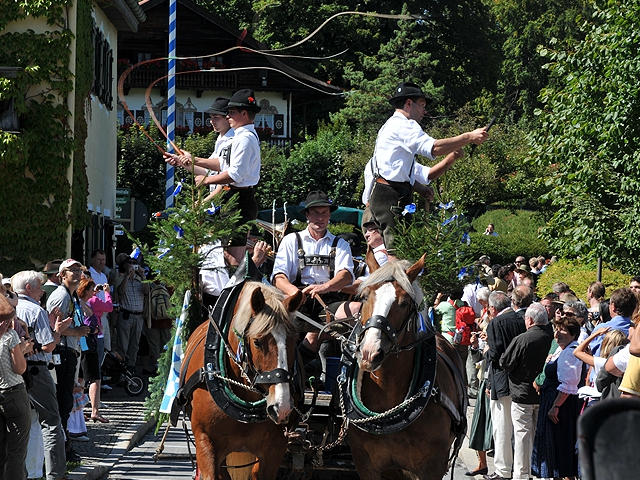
(578, 276)
(517, 235)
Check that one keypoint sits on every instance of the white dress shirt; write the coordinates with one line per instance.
(244, 161)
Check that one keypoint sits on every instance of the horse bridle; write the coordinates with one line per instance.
(382, 323)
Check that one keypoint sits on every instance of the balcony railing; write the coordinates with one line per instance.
(142, 78)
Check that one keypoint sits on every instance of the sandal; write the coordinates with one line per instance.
(99, 418)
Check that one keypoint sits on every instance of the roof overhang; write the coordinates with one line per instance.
(125, 15)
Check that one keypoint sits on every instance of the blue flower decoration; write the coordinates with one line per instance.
(466, 238)
(178, 189)
(213, 210)
(410, 209)
(446, 206)
(449, 220)
(136, 253)
(179, 231)
(163, 251)
(462, 273)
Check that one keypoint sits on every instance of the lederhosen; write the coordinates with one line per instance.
(312, 307)
(387, 202)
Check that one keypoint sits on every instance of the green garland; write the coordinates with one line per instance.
(33, 165)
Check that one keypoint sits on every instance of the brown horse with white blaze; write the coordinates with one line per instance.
(262, 328)
(386, 368)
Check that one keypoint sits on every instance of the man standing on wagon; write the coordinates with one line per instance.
(242, 172)
(393, 174)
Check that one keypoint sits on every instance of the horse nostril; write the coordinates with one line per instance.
(378, 357)
(272, 412)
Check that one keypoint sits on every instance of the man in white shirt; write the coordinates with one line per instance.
(242, 172)
(314, 261)
(393, 166)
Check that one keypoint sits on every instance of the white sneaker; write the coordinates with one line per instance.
(103, 405)
(79, 437)
(106, 387)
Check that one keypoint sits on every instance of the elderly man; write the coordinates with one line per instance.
(65, 300)
(98, 275)
(523, 361)
(505, 326)
(28, 286)
(391, 175)
(315, 261)
(521, 298)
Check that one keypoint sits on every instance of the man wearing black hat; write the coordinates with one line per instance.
(392, 173)
(242, 173)
(314, 260)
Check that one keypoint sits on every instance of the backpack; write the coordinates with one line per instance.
(159, 302)
(466, 323)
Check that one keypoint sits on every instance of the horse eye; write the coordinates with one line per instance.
(257, 343)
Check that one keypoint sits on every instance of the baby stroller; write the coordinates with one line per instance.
(114, 371)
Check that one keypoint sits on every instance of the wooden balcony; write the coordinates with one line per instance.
(201, 81)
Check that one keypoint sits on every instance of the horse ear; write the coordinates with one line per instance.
(257, 301)
(415, 269)
(372, 263)
(293, 302)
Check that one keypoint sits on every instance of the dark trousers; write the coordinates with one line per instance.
(66, 377)
(15, 423)
(248, 207)
(386, 204)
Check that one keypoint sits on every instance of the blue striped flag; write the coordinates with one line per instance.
(173, 382)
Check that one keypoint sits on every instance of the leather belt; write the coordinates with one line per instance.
(36, 363)
(130, 312)
(382, 181)
(231, 187)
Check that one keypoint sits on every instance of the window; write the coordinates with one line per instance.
(103, 69)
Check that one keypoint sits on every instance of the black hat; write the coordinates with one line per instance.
(218, 107)
(318, 199)
(244, 99)
(408, 90)
(368, 219)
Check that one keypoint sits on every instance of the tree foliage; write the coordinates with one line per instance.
(589, 140)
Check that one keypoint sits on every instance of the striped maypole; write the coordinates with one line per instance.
(171, 101)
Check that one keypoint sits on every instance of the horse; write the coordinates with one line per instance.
(385, 357)
(262, 328)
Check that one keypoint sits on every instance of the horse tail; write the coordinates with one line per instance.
(240, 465)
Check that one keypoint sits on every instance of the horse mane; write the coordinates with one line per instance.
(273, 314)
(395, 271)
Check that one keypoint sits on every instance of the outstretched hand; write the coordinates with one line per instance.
(478, 136)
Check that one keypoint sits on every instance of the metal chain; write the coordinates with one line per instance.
(391, 411)
(236, 383)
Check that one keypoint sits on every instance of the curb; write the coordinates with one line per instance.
(128, 438)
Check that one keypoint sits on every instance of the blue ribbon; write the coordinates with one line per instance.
(449, 220)
(179, 231)
(446, 206)
(178, 189)
(410, 209)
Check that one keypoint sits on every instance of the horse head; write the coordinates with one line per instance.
(264, 343)
(390, 298)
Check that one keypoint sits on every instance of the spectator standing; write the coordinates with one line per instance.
(99, 276)
(15, 412)
(51, 270)
(490, 230)
(554, 450)
(65, 300)
(93, 309)
(622, 304)
(505, 326)
(42, 392)
(523, 361)
(131, 292)
(521, 298)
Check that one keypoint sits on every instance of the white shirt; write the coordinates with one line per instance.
(287, 258)
(244, 160)
(37, 318)
(621, 359)
(222, 151)
(569, 369)
(213, 274)
(420, 175)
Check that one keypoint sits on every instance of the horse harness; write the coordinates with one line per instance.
(212, 375)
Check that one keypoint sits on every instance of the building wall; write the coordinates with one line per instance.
(100, 148)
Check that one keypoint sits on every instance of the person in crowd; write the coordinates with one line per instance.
(595, 296)
(99, 276)
(445, 311)
(622, 304)
(390, 176)
(533, 266)
(15, 412)
(51, 270)
(65, 300)
(549, 302)
(634, 284)
(554, 449)
(93, 309)
(577, 308)
(132, 290)
(506, 275)
(490, 230)
(521, 298)
(605, 314)
(503, 328)
(325, 269)
(528, 282)
(523, 361)
(242, 172)
(158, 332)
(560, 288)
(42, 393)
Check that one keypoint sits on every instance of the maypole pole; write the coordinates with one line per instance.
(171, 101)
